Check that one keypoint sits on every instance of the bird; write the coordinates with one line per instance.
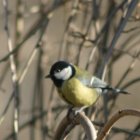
(76, 86)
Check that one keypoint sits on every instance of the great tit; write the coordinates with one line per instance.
(76, 86)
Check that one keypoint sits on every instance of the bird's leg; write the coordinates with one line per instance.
(78, 109)
(73, 114)
(75, 110)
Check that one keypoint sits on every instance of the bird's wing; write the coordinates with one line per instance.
(97, 83)
(93, 82)
(89, 80)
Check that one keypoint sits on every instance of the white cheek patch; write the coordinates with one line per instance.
(64, 74)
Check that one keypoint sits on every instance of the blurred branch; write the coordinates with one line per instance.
(127, 44)
(130, 68)
(38, 96)
(47, 11)
(64, 42)
(32, 56)
(114, 119)
(127, 52)
(70, 121)
(13, 71)
(2, 117)
(66, 122)
(4, 72)
(131, 136)
(109, 18)
(125, 74)
(83, 40)
(28, 123)
(131, 29)
(127, 13)
(117, 129)
(131, 82)
(63, 129)
(33, 120)
(97, 40)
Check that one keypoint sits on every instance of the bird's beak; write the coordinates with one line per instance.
(48, 76)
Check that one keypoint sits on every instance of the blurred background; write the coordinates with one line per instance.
(101, 36)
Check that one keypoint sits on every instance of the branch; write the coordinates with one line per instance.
(68, 123)
(114, 119)
(44, 113)
(27, 65)
(33, 120)
(123, 21)
(130, 83)
(13, 71)
(35, 27)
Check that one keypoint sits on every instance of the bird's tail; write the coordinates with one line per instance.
(114, 90)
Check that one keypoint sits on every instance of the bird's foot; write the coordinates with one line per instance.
(75, 110)
(74, 113)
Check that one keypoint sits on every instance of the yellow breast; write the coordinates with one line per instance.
(74, 92)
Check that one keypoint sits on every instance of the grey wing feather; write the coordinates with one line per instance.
(97, 83)
(92, 82)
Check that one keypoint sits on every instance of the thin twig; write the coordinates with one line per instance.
(4, 72)
(27, 65)
(109, 18)
(131, 82)
(35, 27)
(64, 42)
(127, 13)
(137, 128)
(130, 68)
(117, 129)
(13, 71)
(131, 29)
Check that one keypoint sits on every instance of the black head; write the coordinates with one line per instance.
(61, 71)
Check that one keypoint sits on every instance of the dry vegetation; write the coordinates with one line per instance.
(102, 36)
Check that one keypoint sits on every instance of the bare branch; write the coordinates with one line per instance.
(114, 119)
(25, 70)
(127, 13)
(68, 123)
(13, 71)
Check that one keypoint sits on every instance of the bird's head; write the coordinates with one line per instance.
(61, 71)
